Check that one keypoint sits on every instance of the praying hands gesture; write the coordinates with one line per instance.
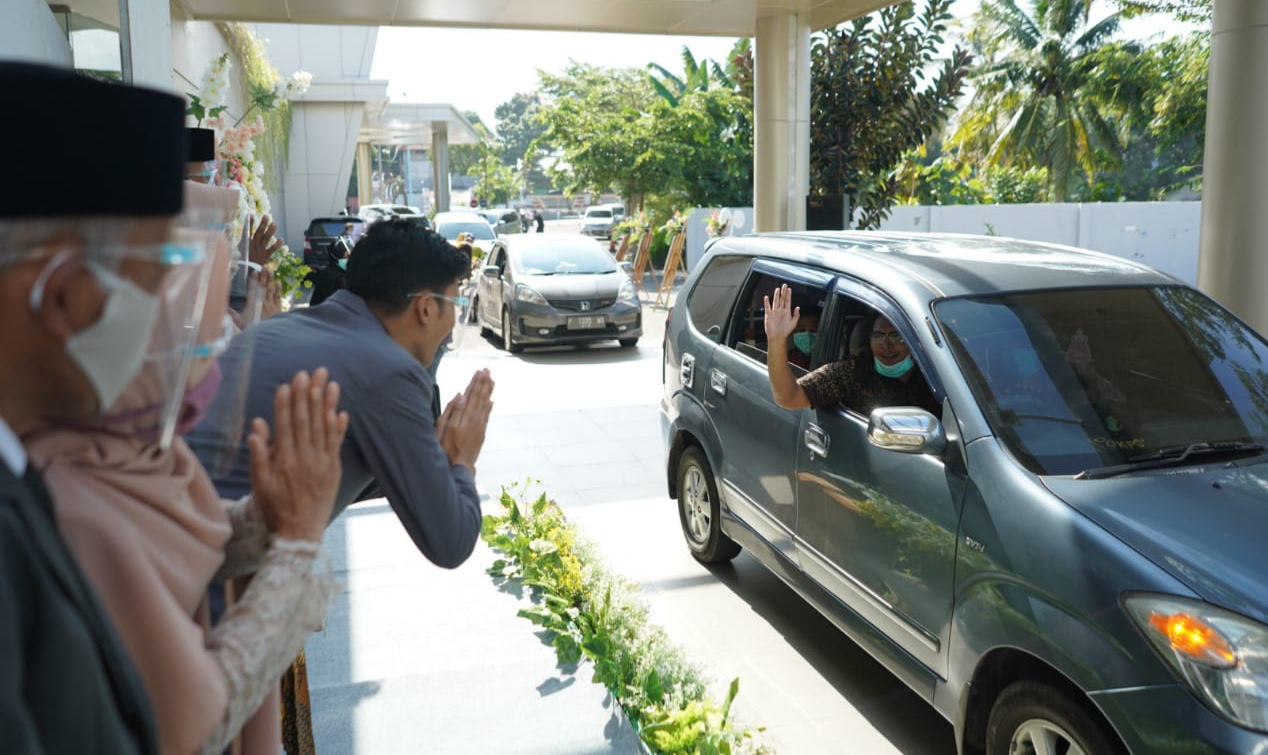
(462, 425)
(295, 479)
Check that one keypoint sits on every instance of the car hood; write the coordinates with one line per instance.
(574, 286)
(1203, 525)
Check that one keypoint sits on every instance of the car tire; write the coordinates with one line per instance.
(628, 343)
(700, 510)
(508, 341)
(1029, 711)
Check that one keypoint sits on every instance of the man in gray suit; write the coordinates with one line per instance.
(377, 337)
(80, 263)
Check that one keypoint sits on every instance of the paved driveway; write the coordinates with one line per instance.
(587, 424)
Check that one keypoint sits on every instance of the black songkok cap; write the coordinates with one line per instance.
(202, 145)
(86, 147)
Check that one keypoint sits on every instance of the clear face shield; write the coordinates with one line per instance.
(217, 403)
(149, 406)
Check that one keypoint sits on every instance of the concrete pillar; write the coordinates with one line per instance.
(365, 175)
(1232, 264)
(145, 43)
(440, 164)
(781, 138)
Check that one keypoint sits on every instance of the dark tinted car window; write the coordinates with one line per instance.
(710, 301)
(749, 334)
(333, 227)
(1082, 379)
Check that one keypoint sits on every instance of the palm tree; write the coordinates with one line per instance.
(1032, 106)
(695, 78)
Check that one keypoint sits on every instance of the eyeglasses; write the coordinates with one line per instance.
(895, 338)
(458, 301)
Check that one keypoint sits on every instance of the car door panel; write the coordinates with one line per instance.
(757, 471)
(878, 528)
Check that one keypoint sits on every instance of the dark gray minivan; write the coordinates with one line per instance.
(1070, 557)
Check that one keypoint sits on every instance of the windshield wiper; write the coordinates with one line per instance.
(1174, 457)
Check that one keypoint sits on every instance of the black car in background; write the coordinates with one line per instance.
(323, 231)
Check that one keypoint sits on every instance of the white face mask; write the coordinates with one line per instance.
(111, 351)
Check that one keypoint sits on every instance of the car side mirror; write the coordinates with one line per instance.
(907, 430)
(491, 271)
(627, 267)
(714, 333)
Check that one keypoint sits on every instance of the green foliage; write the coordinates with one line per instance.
(520, 129)
(594, 615)
(1196, 11)
(944, 180)
(613, 130)
(200, 111)
(867, 105)
(1034, 103)
(1016, 186)
(463, 158)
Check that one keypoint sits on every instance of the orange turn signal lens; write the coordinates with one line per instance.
(1194, 638)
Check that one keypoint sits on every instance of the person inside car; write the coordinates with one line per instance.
(886, 375)
(802, 340)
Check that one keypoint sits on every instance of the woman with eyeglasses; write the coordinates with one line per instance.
(886, 375)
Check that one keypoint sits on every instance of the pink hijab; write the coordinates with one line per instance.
(149, 531)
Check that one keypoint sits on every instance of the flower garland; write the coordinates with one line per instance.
(239, 166)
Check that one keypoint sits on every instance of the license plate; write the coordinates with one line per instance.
(590, 322)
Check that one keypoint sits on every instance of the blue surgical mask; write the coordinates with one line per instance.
(804, 341)
(343, 263)
(895, 370)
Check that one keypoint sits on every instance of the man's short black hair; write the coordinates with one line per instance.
(396, 258)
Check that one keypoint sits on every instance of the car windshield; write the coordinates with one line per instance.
(480, 230)
(599, 214)
(1088, 379)
(332, 228)
(562, 257)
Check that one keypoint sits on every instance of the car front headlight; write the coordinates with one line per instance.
(524, 293)
(1221, 657)
(628, 292)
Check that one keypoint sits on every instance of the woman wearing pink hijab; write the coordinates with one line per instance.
(145, 524)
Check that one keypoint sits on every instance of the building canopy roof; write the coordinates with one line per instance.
(412, 125)
(733, 18)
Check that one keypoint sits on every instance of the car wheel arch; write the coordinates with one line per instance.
(995, 672)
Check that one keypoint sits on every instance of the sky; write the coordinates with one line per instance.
(481, 68)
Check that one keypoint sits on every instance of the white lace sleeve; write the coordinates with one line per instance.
(260, 635)
(249, 541)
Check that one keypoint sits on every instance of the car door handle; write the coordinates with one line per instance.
(687, 372)
(817, 440)
(717, 381)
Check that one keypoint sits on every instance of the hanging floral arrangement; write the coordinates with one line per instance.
(236, 153)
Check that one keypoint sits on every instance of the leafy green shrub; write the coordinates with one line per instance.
(597, 615)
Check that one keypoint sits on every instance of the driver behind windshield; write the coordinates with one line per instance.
(886, 375)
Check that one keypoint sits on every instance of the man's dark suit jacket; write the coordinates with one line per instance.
(391, 448)
(66, 684)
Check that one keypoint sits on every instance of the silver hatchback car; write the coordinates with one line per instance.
(542, 289)
(1064, 551)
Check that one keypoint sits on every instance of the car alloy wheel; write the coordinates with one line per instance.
(508, 341)
(1030, 718)
(699, 510)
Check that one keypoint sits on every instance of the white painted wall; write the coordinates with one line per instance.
(30, 33)
(1163, 235)
(325, 121)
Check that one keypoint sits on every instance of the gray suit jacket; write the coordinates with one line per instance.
(391, 448)
(66, 683)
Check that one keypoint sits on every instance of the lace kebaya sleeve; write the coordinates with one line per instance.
(260, 635)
